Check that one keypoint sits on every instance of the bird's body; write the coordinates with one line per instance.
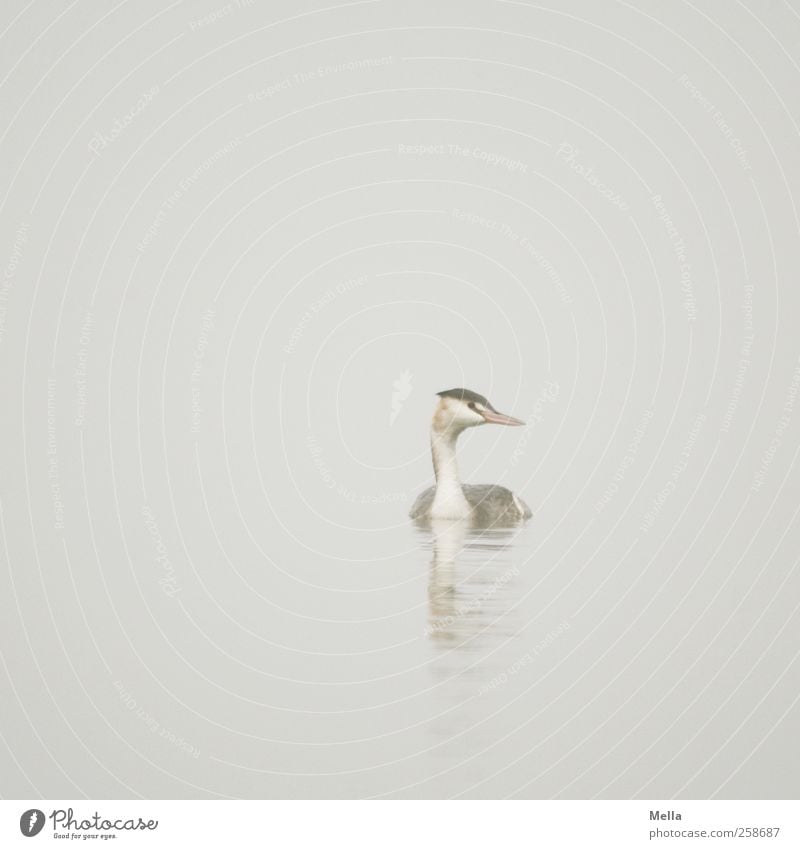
(489, 504)
(482, 505)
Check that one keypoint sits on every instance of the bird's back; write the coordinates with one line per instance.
(421, 507)
(495, 505)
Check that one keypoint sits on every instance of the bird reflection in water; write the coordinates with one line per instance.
(470, 570)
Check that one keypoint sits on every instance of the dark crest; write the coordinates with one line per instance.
(466, 395)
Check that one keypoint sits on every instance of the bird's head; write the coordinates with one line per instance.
(459, 409)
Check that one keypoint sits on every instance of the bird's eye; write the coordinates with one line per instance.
(471, 405)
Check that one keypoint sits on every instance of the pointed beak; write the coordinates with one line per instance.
(493, 417)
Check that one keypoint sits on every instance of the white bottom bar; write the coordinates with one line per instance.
(403, 824)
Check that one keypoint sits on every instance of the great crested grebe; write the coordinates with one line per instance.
(482, 504)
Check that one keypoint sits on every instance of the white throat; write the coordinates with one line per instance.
(449, 501)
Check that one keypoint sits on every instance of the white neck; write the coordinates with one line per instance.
(449, 501)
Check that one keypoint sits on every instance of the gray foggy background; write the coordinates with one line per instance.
(241, 248)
